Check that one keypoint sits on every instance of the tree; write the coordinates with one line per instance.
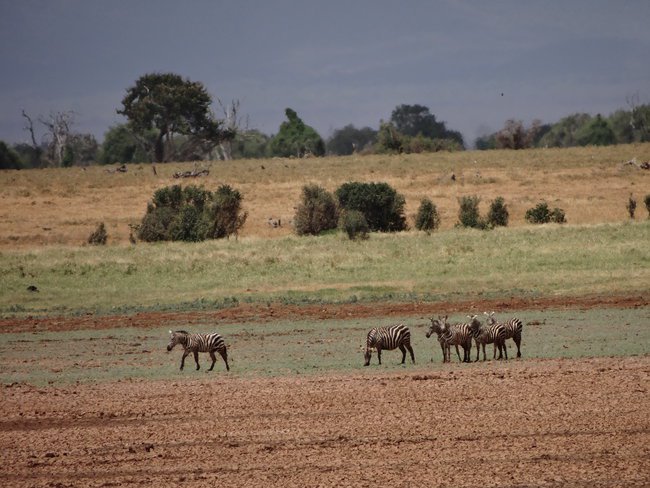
(349, 140)
(389, 139)
(58, 126)
(414, 120)
(9, 159)
(250, 144)
(427, 218)
(295, 138)
(120, 146)
(171, 105)
(564, 133)
(596, 132)
(515, 136)
(81, 150)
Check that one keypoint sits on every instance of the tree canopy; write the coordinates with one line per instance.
(172, 105)
(295, 138)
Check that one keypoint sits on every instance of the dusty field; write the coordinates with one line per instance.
(525, 423)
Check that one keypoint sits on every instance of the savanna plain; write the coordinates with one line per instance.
(90, 397)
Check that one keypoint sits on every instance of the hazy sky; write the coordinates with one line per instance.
(333, 61)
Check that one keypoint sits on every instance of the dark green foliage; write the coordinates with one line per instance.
(381, 205)
(9, 159)
(192, 214)
(169, 104)
(120, 146)
(349, 140)
(389, 139)
(596, 132)
(427, 218)
(416, 120)
(354, 224)
(99, 236)
(541, 214)
(251, 144)
(295, 138)
(225, 213)
(631, 206)
(468, 214)
(646, 200)
(498, 214)
(316, 212)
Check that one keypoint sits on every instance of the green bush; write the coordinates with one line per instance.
(498, 214)
(316, 212)
(542, 215)
(468, 215)
(380, 204)
(192, 214)
(99, 236)
(427, 218)
(354, 224)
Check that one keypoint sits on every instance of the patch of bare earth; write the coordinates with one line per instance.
(551, 423)
(266, 313)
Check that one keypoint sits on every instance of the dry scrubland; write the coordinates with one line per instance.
(63, 206)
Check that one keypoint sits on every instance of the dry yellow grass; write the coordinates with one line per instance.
(63, 206)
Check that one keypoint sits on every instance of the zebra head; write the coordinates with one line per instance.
(437, 325)
(490, 318)
(474, 322)
(177, 337)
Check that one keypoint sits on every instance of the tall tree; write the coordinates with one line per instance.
(172, 106)
(295, 138)
(349, 140)
(414, 120)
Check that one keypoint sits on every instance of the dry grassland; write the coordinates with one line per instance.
(63, 206)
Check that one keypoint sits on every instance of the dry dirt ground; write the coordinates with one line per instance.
(551, 423)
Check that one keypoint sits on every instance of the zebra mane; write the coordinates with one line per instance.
(181, 332)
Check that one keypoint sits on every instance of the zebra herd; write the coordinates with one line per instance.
(388, 338)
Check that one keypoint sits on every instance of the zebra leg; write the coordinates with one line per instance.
(224, 355)
(379, 354)
(483, 351)
(478, 350)
(403, 349)
(517, 339)
(494, 354)
(214, 360)
(505, 349)
(196, 360)
(457, 353)
(185, 354)
(408, 346)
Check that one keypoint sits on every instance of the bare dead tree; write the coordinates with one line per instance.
(58, 125)
(233, 124)
(29, 126)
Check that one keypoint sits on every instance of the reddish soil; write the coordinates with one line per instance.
(262, 313)
(548, 423)
(553, 423)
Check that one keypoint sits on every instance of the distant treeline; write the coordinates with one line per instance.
(410, 129)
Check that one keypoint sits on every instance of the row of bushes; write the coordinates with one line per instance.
(195, 214)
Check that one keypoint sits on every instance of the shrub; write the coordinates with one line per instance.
(631, 206)
(498, 214)
(468, 215)
(542, 215)
(380, 204)
(354, 224)
(192, 214)
(646, 200)
(316, 212)
(99, 237)
(427, 218)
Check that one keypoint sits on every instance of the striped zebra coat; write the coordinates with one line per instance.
(196, 343)
(489, 334)
(458, 335)
(389, 338)
(514, 326)
(438, 326)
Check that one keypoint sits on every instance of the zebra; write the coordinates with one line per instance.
(458, 335)
(490, 334)
(196, 343)
(513, 327)
(438, 326)
(388, 338)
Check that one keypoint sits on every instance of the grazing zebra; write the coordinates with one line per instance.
(489, 334)
(196, 343)
(513, 327)
(388, 338)
(438, 326)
